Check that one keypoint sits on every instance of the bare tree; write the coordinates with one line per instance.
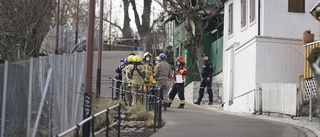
(68, 11)
(197, 13)
(126, 29)
(23, 26)
(144, 26)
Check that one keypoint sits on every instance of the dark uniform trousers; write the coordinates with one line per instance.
(177, 88)
(205, 83)
(118, 84)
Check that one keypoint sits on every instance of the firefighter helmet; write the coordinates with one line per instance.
(136, 58)
(180, 59)
(130, 58)
(162, 56)
(126, 62)
(147, 54)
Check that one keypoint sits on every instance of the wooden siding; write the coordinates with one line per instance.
(279, 98)
(307, 73)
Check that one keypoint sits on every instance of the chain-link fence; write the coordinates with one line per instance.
(41, 97)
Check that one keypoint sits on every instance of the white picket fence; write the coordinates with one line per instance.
(279, 98)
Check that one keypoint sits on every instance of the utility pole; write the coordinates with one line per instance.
(77, 22)
(100, 49)
(89, 65)
(57, 27)
(110, 25)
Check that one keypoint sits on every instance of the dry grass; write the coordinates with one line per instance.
(136, 113)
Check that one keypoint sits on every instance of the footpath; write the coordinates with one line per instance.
(212, 121)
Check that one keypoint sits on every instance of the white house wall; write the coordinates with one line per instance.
(240, 35)
(239, 68)
(228, 59)
(273, 56)
(279, 60)
(276, 21)
(244, 78)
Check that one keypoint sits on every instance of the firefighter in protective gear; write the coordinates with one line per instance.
(179, 78)
(135, 72)
(157, 60)
(124, 78)
(206, 81)
(119, 78)
(163, 74)
(128, 81)
(148, 68)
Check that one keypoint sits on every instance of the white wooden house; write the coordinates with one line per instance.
(262, 44)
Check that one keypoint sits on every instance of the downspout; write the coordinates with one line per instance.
(259, 7)
(258, 97)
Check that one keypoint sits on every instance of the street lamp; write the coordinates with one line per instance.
(315, 11)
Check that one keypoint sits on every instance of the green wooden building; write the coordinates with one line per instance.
(213, 46)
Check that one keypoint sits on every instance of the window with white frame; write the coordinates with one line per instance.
(252, 11)
(231, 19)
(243, 13)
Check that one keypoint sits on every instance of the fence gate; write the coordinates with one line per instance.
(279, 98)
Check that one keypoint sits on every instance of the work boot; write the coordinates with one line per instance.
(210, 103)
(165, 106)
(169, 104)
(181, 106)
(198, 103)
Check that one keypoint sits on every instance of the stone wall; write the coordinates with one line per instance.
(192, 89)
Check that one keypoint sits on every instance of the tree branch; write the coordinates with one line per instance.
(113, 24)
(136, 15)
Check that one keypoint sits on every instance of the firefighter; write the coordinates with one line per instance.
(163, 74)
(136, 73)
(148, 68)
(206, 75)
(179, 78)
(119, 78)
(128, 80)
(124, 78)
(157, 60)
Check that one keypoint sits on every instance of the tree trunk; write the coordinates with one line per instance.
(196, 40)
(136, 15)
(199, 43)
(126, 31)
(145, 27)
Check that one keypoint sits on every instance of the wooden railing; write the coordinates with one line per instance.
(307, 67)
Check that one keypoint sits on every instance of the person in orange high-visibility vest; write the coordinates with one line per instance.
(179, 78)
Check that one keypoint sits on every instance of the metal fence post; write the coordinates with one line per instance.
(119, 117)
(40, 75)
(107, 123)
(310, 108)
(160, 106)
(92, 125)
(51, 63)
(42, 102)
(73, 120)
(155, 113)
(4, 99)
(64, 93)
(112, 89)
(30, 98)
(82, 60)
